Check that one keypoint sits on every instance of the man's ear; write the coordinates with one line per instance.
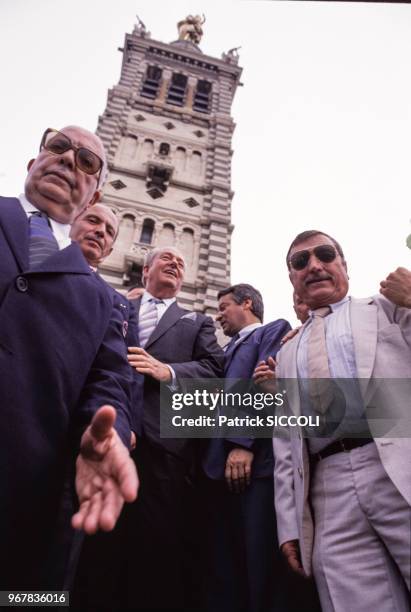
(96, 197)
(247, 304)
(29, 165)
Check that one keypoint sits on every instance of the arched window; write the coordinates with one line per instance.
(180, 157)
(125, 233)
(164, 149)
(167, 235)
(148, 147)
(147, 231)
(196, 162)
(187, 245)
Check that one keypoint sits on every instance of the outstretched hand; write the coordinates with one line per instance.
(106, 476)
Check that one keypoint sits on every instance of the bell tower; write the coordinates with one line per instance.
(167, 129)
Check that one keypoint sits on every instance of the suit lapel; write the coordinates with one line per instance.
(230, 356)
(364, 327)
(69, 260)
(16, 229)
(137, 303)
(169, 318)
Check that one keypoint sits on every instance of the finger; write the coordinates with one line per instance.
(228, 479)
(113, 502)
(91, 519)
(137, 350)
(102, 423)
(271, 363)
(247, 471)
(235, 478)
(128, 480)
(77, 519)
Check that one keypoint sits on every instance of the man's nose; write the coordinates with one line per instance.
(99, 231)
(218, 316)
(314, 263)
(68, 159)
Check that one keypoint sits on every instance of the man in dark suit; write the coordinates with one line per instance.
(58, 366)
(240, 471)
(153, 550)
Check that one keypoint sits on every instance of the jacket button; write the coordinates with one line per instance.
(300, 471)
(22, 284)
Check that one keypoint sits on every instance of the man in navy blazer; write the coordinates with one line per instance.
(62, 357)
(240, 470)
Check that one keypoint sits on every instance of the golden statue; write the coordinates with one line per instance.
(190, 28)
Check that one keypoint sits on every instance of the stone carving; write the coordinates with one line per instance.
(140, 28)
(190, 28)
(231, 57)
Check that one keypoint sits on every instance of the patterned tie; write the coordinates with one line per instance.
(42, 242)
(320, 387)
(148, 320)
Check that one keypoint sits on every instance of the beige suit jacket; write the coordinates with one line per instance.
(382, 340)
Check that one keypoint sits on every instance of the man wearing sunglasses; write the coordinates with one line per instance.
(62, 364)
(343, 497)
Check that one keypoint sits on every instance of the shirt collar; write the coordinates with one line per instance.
(245, 331)
(147, 296)
(334, 307)
(62, 229)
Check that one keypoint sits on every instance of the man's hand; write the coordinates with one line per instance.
(397, 287)
(264, 375)
(290, 334)
(238, 469)
(144, 363)
(106, 476)
(291, 551)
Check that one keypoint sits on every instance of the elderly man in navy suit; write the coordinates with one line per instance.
(60, 368)
(154, 552)
(240, 471)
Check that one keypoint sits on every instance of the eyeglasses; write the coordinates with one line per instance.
(58, 143)
(326, 253)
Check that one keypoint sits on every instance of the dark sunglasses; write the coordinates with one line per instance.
(57, 143)
(324, 252)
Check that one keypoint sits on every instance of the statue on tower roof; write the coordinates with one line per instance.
(140, 28)
(190, 28)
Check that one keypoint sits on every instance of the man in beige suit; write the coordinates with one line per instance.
(353, 480)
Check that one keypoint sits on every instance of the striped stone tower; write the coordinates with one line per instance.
(167, 129)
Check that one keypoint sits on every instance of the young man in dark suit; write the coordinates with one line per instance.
(58, 366)
(240, 471)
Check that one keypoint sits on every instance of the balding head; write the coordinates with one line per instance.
(55, 184)
(95, 230)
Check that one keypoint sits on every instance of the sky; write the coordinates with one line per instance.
(323, 120)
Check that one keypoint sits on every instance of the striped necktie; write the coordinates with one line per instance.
(148, 320)
(320, 386)
(42, 242)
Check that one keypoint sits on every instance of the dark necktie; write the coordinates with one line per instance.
(228, 349)
(42, 242)
(321, 388)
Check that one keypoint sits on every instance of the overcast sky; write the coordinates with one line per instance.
(323, 136)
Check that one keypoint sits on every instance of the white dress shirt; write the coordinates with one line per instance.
(61, 231)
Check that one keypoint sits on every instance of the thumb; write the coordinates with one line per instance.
(271, 362)
(103, 422)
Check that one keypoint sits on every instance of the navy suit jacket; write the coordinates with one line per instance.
(186, 341)
(241, 363)
(62, 356)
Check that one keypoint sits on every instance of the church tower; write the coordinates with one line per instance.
(167, 130)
